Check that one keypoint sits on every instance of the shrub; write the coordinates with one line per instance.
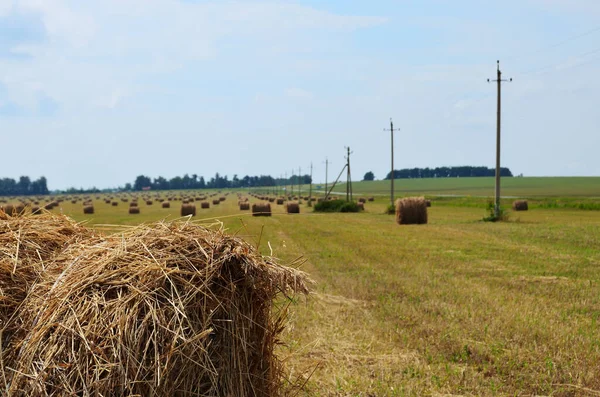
(337, 206)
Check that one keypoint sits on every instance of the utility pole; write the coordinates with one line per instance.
(310, 188)
(299, 180)
(348, 177)
(392, 172)
(499, 83)
(326, 171)
(292, 182)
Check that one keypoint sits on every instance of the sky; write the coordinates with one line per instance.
(97, 92)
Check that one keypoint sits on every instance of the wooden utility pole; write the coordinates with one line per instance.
(392, 172)
(310, 188)
(299, 176)
(348, 177)
(498, 111)
(327, 162)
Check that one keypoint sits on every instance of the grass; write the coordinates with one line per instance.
(455, 307)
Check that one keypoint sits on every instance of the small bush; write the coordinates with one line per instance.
(337, 206)
(390, 209)
(502, 215)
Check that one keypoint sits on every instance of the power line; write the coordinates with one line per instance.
(556, 64)
(560, 43)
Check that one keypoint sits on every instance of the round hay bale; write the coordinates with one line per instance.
(166, 204)
(188, 209)
(371, 199)
(114, 203)
(8, 209)
(361, 205)
(222, 198)
(134, 210)
(36, 210)
(520, 205)
(19, 209)
(411, 211)
(216, 202)
(133, 204)
(149, 202)
(244, 206)
(280, 201)
(292, 208)
(205, 204)
(183, 311)
(362, 200)
(88, 209)
(261, 209)
(428, 202)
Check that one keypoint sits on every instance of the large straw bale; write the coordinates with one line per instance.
(172, 309)
(411, 211)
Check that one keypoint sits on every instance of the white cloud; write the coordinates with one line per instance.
(298, 93)
(6, 7)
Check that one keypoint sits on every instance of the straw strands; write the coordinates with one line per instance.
(27, 244)
(171, 309)
(411, 211)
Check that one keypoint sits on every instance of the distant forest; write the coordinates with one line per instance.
(447, 172)
(24, 187)
(143, 182)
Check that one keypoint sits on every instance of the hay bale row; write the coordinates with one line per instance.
(411, 211)
(183, 311)
(261, 209)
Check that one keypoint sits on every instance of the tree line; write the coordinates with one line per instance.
(448, 172)
(23, 187)
(143, 182)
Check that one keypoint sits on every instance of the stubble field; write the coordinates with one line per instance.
(454, 307)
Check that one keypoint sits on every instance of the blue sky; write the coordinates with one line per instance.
(95, 93)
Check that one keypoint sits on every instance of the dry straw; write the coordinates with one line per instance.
(261, 209)
(411, 210)
(27, 244)
(172, 309)
(520, 205)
